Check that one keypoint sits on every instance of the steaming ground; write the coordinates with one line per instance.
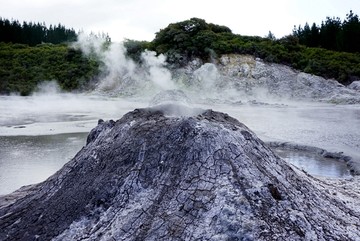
(276, 102)
(26, 122)
(58, 113)
(230, 79)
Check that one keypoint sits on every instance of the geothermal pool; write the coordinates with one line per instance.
(39, 134)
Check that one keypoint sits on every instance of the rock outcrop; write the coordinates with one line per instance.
(355, 85)
(276, 80)
(149, 176)
(244, 77)
(240, 77)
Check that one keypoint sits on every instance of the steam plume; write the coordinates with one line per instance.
(121, 75)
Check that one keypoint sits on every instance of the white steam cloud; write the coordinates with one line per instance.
(207, 76)
(116, 68)
(47, 88)
(158, 74)
(235, 79)
(121, 75)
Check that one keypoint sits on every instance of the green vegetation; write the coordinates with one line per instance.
(332, 34)
(34, 33)
(22, 67)
(191, 38)
(25, 60)
(134, 48)
(195, 38)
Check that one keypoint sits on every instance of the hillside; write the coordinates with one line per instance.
(195, 38)
(23, 67)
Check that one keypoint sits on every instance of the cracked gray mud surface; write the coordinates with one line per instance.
(152, 177)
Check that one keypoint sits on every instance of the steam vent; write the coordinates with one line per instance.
(151, 176)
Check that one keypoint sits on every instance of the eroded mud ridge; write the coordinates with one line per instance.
(152, 177)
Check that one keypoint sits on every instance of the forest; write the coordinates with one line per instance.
(34, 33)
(182, 41)
(332, 34)
(22, 67)
(31, 52)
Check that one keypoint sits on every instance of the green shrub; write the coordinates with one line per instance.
(194, 38)
(24, 67)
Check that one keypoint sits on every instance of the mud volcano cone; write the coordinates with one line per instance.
(149, 176)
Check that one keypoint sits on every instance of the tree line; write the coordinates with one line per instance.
(34, 33)
(195, 38)
(25, 63)
(332, 34)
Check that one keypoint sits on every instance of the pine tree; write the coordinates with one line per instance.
(34, 33)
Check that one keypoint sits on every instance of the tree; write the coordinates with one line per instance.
(330, 33)
(351, 33)
(134, 48)
(314, 38)
(271, 36)
(34, 33)
(189, 38)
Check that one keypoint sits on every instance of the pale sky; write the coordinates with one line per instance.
(141, 19)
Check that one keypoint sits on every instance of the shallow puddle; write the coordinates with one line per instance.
(314, 164)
